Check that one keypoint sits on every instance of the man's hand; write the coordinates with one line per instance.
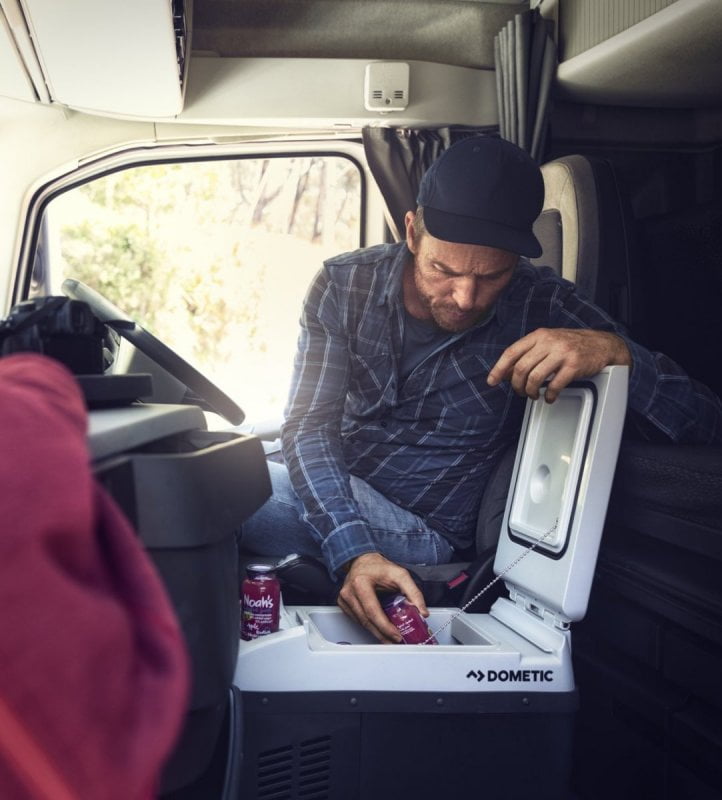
(562, 354)
(357, 598)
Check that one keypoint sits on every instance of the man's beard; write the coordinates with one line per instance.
(447, 315)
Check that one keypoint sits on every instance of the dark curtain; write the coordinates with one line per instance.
(526, 61)
(398, 157)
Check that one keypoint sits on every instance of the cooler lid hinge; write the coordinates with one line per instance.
(530, 605)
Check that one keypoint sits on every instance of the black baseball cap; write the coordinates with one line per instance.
(484, 190)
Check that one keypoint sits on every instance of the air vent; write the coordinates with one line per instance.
(301, 771)
(314, 769)
(180, 29)
(274, 774)
(386, 86)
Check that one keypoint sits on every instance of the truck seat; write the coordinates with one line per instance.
(583, 230)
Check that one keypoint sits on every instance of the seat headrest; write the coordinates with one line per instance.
(583, 231)
(568, 227)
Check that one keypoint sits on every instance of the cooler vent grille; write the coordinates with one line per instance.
(296, 771)
(274, 776)
(314, 768)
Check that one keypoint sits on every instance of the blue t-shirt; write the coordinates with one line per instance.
(421, 339)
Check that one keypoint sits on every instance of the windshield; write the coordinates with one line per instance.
(213, 257)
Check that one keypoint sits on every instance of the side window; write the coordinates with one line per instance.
(213, 257)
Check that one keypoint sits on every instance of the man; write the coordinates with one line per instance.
(413, 365)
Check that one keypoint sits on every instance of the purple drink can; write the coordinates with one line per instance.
(407, 618)
(260, 601)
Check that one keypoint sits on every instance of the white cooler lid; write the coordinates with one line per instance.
(559, 491)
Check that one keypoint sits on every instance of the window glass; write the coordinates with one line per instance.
(213, 257)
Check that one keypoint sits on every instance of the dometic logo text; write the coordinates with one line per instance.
(512, 675)
(261, 602)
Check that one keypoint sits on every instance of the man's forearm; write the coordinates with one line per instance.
(321, 481)
(683, 409)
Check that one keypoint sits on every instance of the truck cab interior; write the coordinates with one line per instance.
(184, 166)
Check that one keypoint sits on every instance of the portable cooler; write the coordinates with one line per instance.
(489, 712)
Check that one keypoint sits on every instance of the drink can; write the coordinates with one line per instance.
(260, 601)
(407, 618)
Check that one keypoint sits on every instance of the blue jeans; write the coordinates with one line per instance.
(277, 529)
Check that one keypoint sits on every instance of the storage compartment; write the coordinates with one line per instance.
(186, 495)
(334, 627)
(187, 491)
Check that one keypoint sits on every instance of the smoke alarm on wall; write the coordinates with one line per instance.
(386, 86)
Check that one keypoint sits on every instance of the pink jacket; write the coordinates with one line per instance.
(93, 669)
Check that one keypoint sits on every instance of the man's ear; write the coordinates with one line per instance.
(410, 232)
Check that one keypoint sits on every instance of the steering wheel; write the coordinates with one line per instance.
(108, 313)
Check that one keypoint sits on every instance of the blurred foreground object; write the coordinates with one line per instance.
(95, 674)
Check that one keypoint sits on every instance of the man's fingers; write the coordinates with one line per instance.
(367, 574)
(531, 371)
(502, 370)
(371, 608)
(411, 591)
(550, 369)
(358, 599)
(532, 367)
(525, 364)
(356, 611)
(557, 382)
(559, 355)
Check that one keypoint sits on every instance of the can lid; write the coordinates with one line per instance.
(389, 600)
(260, 569)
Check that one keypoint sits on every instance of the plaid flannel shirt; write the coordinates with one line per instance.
(429, 443)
